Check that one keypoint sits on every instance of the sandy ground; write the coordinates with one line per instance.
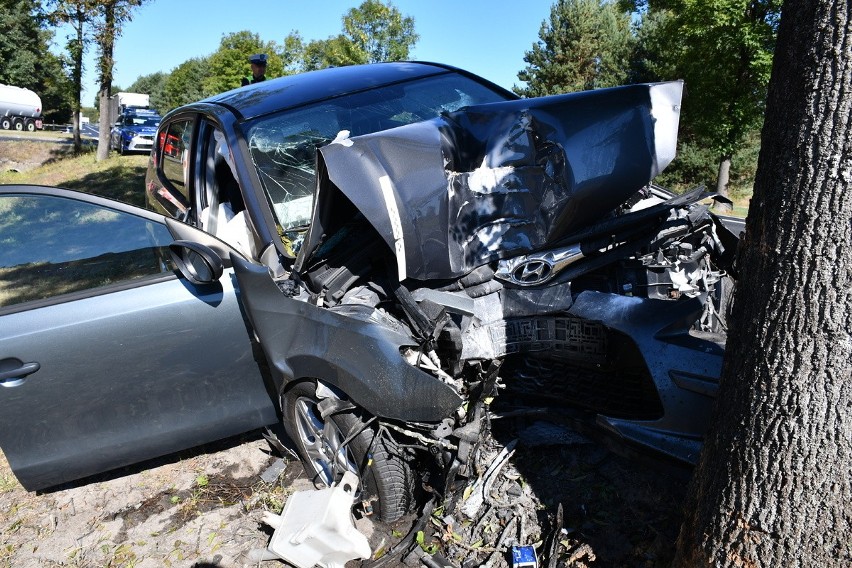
(203, 509)
(199, 509)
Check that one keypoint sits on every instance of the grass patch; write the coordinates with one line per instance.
(118, 177)
(24, 155)
(8, 482)
(46, 134)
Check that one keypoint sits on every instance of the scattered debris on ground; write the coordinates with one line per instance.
(546, 492)
(205, 509)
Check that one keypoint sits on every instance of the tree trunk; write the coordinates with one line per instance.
(77, 55)
(774, 483)
(722, 181)
(107, 43)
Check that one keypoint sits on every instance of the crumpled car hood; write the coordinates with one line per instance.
(494, 181)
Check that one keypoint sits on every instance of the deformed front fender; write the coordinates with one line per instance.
(359, 356)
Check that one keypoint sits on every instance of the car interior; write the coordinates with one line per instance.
(222, 209)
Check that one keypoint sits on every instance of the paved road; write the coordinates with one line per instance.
(89, 130)
(88, 133)
(735, 224)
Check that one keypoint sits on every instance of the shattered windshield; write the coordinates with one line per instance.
(283, 146)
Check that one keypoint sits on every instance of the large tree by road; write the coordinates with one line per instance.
(79, 15)
(773, 486)
(372, 32)
(585, 44)
(113, 14)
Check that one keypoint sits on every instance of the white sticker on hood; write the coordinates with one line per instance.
(396, 225)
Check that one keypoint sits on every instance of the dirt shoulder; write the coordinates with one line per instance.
(198, 509)
(203, 509)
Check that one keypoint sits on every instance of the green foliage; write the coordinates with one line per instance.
(332, 52)
(229, 64)
(26, 61)
(372, 32)
(185, 83)
(154, 85)
(697, 164)
(726, 60)
(379, 32)
(585, 44)
(655, 55)
(723, 50)
(55, 89)
(20, 43)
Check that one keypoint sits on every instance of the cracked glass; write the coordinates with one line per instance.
(283, 146)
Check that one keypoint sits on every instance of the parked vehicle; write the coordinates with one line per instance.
(392, 243)
(127, 103)
(134, 131)
(20, 109)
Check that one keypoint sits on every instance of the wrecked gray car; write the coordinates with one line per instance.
(512, 245)
(415, 251)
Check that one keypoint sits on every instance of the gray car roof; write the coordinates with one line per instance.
(296, 90)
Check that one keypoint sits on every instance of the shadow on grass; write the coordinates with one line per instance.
(122, 182)
(62, 150)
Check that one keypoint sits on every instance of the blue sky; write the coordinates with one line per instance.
(487, 37)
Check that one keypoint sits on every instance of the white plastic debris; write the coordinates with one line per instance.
(482, 486)
(316, 528)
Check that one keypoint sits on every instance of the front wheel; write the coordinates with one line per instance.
(373, 456)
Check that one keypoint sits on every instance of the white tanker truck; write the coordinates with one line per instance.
(20, 109)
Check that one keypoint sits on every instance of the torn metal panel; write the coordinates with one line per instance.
(494, 181)
(354, 348)
(662, 331)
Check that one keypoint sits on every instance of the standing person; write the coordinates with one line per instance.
(258, 69)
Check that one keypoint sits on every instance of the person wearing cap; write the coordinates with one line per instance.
(258, 69)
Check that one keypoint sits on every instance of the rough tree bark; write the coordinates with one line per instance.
(77, 48)
(106, 43)
(722, 180)
(774, 483)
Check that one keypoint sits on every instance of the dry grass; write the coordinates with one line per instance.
(53, 164)
(199, 508)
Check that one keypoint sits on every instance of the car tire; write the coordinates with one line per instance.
(384, 474)
(18, 124)
(5, 123)
(29, 125)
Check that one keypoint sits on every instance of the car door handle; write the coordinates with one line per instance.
(16, 376)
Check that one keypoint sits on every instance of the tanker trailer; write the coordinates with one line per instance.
(20, 109)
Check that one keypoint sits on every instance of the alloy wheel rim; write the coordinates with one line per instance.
(321, 444)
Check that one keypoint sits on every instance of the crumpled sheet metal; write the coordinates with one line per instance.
(498, 180)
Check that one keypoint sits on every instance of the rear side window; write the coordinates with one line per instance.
(51, 246)
(174, 156)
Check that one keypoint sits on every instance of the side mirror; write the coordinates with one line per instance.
(198, 263)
